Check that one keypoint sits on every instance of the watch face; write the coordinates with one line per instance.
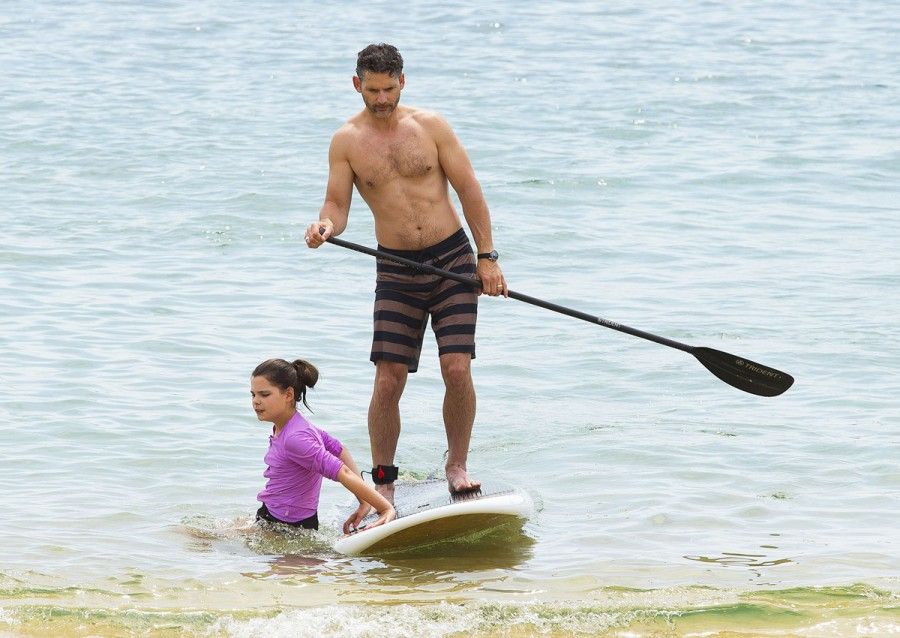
(493, 255)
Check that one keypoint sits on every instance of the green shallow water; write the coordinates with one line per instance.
(605, 611)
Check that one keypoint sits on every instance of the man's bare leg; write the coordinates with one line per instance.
(384, 416)
(459, 416)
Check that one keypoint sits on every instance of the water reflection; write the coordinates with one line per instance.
(504, 548)
(448, 566)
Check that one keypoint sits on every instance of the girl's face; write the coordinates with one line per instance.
(270, 402)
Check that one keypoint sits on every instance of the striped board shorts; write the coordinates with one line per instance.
(405, 298)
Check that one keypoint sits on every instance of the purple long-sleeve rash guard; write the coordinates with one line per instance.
(298, 458)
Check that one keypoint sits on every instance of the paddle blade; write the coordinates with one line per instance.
(744, 374)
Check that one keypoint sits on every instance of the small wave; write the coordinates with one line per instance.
(857, 610)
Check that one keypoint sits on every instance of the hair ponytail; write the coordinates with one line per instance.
(307, 375)
(299, 375)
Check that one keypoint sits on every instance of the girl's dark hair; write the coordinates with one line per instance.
(299, 375)
(379, 58)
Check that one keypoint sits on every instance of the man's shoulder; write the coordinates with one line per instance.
(432, 123)
(345, 139)
(347, 131)
(425, 118)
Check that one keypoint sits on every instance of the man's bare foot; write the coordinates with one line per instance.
(458, 480)
(387, 491)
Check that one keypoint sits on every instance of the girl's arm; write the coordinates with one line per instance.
(347, 458)
(367, 497)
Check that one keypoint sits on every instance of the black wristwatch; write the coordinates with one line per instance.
(491, 256)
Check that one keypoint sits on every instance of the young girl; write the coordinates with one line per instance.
(300, 454)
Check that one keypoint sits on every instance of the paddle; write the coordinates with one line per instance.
(738, 372)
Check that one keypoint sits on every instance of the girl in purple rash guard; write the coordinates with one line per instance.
(300, 454)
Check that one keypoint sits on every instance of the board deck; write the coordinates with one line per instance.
(428, 515)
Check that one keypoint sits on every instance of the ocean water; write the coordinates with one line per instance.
(723, 174)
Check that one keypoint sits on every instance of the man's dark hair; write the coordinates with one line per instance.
(379, 58)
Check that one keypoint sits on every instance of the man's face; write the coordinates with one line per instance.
(380, 92)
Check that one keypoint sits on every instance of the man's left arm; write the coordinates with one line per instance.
(458, 169)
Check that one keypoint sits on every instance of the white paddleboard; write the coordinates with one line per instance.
(427, 515)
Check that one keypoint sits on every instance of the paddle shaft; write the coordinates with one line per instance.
(475, 283)
(739, 372)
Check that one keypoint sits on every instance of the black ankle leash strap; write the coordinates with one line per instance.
(384, 474)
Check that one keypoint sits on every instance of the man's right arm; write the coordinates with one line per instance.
(334, 212)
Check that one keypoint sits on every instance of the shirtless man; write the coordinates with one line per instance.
(401, 160)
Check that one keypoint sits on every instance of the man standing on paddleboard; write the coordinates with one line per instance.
(401, 160)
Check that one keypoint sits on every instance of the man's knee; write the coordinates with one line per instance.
(390, 379)
(456, 368)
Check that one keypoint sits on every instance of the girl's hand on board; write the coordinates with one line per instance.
(352, 523)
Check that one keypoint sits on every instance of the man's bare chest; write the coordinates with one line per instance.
(378, 161)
